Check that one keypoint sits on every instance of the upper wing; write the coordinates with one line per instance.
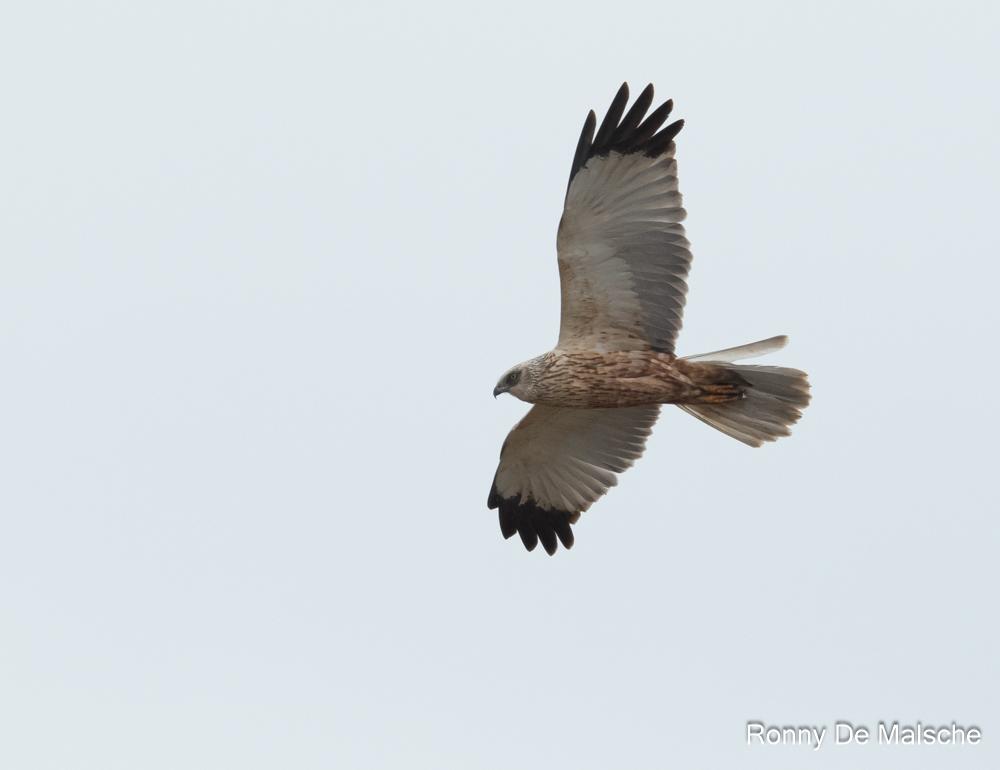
(623, 257)
(557, 461)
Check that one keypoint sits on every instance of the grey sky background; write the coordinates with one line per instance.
(260, 267)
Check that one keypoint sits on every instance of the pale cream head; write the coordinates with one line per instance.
(519, 381)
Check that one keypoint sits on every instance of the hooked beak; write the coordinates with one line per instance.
(498, 390)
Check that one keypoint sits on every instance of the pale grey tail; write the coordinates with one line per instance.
(772, 401)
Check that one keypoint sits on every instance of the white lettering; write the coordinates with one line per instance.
(843, 732)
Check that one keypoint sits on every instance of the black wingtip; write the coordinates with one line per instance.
(583, 145)
(663, 140)
(533, 523)
(652, 123)
(633, 133)
(508, 524)
(631, 120)
(612, 117)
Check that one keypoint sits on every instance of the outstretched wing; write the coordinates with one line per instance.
(557, 461)
(623, 257)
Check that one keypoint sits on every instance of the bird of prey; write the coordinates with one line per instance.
(623, 260)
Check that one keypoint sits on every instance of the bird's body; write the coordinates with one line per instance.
(591, 379)
(623, 263)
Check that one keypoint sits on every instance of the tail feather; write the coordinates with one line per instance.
(750, 350)
(772, 401)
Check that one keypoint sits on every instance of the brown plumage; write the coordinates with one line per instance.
(623, 264)
(613, 379)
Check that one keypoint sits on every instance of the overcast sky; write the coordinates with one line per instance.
(261, 265)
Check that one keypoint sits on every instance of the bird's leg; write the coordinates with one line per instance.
(719, 394)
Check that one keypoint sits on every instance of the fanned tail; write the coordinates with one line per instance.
(772, 400)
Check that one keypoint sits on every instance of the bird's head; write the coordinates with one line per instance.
(518, 381)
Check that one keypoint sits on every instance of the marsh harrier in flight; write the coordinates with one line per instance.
(623, 260)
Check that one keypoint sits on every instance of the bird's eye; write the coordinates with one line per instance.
(512, 378)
